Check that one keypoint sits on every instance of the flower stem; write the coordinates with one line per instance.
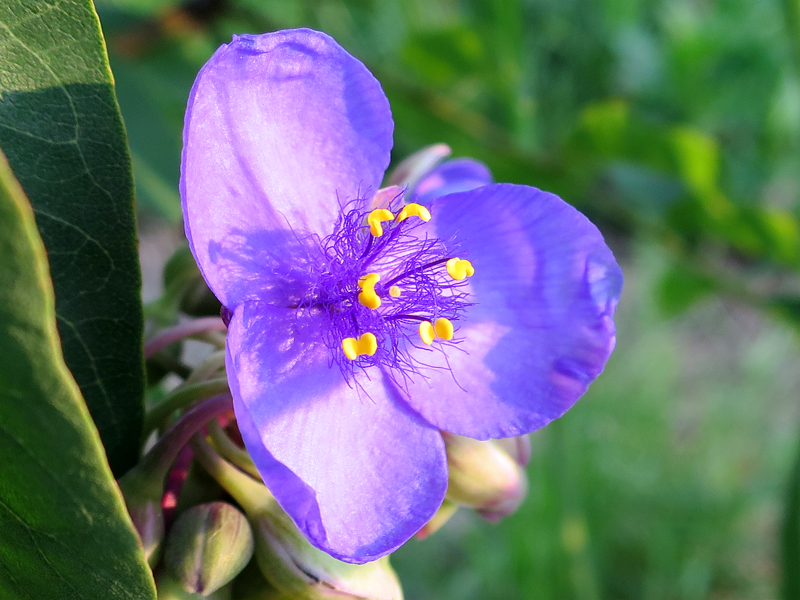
(230, 451)
(173, 334)
(182, 396)
(252, 496)
(159, 459)
(213, 362)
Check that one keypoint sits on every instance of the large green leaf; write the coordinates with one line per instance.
(64, 532)
(61, 130)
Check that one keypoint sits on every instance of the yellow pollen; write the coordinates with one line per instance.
(370, 279)
(394, 291)
(444, 329)
(366, 344)
(459, 269)
(414, 210)
(426, 332)
(375, 218)
(367, 296)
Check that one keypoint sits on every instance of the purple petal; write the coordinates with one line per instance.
(545, 287)
(355, 468)
(280, 129)
(457, 175)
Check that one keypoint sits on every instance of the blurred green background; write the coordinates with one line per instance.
(675, 125)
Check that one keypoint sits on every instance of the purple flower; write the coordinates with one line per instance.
(358, 333)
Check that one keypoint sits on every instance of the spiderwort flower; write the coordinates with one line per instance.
(360, 324)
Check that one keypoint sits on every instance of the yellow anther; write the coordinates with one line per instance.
(366, 344)
(375, 218)
(414, 210)
(444, 329)
(368, 280)
(394, 291)
(459, 269)
(367, 296)
(426, 332)
(350, 347)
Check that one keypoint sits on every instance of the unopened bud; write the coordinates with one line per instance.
(518, 448)
(143, 486)
(298, 569)
(415, 167)
(143, 500)
(169, 589)
(484, 476)
(285, 557)
(442, 516)
(208, 546)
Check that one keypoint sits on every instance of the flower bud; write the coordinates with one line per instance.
(415, 167)
(169, 589)
(299, 570)
(143, 486)
(442, 516)
(518, 448)
(484, 476)
(143, 500)
(208, 546)
(285, 557)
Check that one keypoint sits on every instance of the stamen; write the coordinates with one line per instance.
(459, 269)
(386, 285)
(367, 296)
(444, 329)
(426, 332)
(414, 210)
(375, 218)
(366, 344)
(370, 279)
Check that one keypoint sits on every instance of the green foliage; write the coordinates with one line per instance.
(680, 287)
(790, 537)
(65, 532)
(61, 129)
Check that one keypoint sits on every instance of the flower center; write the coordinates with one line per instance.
(388, 288)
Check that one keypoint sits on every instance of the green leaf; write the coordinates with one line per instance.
(61, 129)
(790, 536)
(65, 532)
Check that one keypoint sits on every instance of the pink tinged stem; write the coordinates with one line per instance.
(252, 496)
(174, 334)
(163, 454)
(226, 447)
(174, 485)
(143, 486)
